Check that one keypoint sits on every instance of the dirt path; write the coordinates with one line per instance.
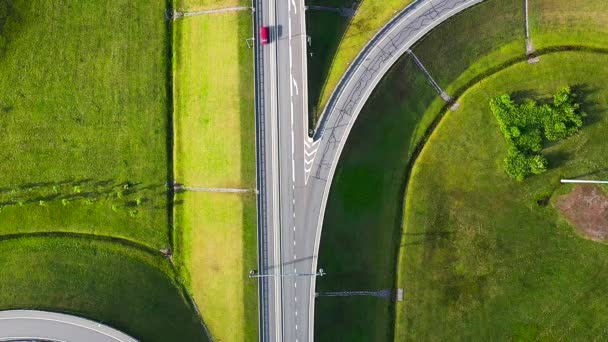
(586, 208)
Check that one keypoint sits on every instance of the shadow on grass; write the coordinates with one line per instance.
(126, 194)
(521, 96)
(11, 24)
(584, 95)
(361, 244)
(170, 195)
(557, 158)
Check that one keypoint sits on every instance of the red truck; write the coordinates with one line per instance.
(265, 35)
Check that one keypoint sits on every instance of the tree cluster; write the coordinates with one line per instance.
(527, 125)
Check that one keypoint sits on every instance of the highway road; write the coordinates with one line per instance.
(282, 134)
(50, 326)
(294, 171)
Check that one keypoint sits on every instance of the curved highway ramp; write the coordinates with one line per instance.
(28, 325)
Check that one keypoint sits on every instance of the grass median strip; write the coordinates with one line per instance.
(217, 248)
(215, 232)
(214, 117)
(204, 5)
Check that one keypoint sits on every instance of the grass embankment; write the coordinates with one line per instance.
(574, 22)
(482, 257)
(215, 128)
(364, 208)
(84, 115)
(336, 41)
(128, 289)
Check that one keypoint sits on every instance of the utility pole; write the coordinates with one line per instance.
(583, 181)
(254, 274)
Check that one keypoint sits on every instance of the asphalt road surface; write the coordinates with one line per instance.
(282, 134)
(50, 326)
(295, 172)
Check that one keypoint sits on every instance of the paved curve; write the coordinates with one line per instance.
(353, 90)
(294, 172)
(51, 326)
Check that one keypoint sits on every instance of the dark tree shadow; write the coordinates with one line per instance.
(583, 93)
(557, 158)
(521, 96)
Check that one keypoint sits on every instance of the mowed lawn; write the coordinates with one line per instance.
(337, 46)
(481, 258)
(214, 120)
(125, 288)
(217, 248)
(84, 115)
(202, 5)
(572, 22)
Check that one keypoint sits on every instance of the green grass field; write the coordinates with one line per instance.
(367, 192)
(126, 288)
(574, 22)
(201, 5)
(85, 107)
(367, 217)
(481, 259)
(215, 233)
(84, 101)
(372, 208)
(336, 41)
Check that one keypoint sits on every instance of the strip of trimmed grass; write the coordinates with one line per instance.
(362, 222)
(83, 110)
(214, 115)
(215, 140)
(218, 247)
(329, 62)
(559, 22)
(201, 5)
(481, 259)
(128, 289)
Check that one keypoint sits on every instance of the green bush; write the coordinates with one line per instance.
(525, 125)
